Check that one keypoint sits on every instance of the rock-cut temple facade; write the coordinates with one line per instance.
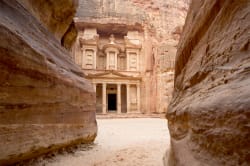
(120, 49)
(112, 62)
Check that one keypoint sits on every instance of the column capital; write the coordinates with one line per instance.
(94, 86)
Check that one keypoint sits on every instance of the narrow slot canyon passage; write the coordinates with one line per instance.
(125, 83)
(120, 142)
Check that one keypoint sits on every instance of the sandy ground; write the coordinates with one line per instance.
(120, 142)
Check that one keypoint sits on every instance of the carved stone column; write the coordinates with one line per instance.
(119, 98)
(94, 86)
(82, 58)
(104, 100)
(128, 67)
(138, 61)
(116, 60)
(128, 98)
(107, 60)
(95, 59)
(138, 97)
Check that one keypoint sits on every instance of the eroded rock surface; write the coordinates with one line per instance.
(209, 116)
(45, 101)
(56, 16)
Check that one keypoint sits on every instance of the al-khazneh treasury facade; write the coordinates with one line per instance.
(131, 71)
(112, 63)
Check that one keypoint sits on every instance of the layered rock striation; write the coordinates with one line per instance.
(56, 16)
(45, 101)
(209, 115)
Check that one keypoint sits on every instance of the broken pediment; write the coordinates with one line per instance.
(89, 41)
(132, 40)
(89, 37)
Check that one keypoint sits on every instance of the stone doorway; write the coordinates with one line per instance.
(111, 98)
(112, 102)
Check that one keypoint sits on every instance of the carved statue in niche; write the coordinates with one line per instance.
(111, 60)
(133, 97)
(121, 61)
(112, 39)
(89, 54)
(101, 60)
(133, 61)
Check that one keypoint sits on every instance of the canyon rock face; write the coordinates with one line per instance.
(209, 115)
(58, 19)
(160, 25)
(45, 101)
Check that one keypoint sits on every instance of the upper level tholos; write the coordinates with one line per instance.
(102, 51)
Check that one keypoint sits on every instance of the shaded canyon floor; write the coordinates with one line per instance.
(120, 142)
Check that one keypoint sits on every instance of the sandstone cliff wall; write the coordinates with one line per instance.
(56, 16)
(209, 116)
(45, 101)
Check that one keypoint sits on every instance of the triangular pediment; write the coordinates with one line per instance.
(111, 74)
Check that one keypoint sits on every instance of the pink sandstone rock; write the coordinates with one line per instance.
(209, 115)
(45, 101)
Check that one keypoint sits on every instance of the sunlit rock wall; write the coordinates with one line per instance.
(209, 116)
(45, 101)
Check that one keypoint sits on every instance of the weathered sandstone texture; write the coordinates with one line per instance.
(209, 115)
(56, 16)
(45, 101)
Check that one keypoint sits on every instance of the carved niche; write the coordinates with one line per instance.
(121, 61)
(112, 50)
(101, 60)
(112, 57)
(132, 61)
(89, 56)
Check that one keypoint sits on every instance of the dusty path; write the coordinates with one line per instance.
(120, 142)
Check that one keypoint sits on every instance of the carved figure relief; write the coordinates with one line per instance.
(133, 62)
(111, 60)
(121, 61)
(101, 60)
(89, 54)
(133, 95)
(112, 39)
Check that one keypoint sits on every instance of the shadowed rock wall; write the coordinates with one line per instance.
(56, 16)
(209, 115)
(45, 101)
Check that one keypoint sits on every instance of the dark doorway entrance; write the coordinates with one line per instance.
(112, 102)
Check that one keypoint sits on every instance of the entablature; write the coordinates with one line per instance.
(112, 75)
